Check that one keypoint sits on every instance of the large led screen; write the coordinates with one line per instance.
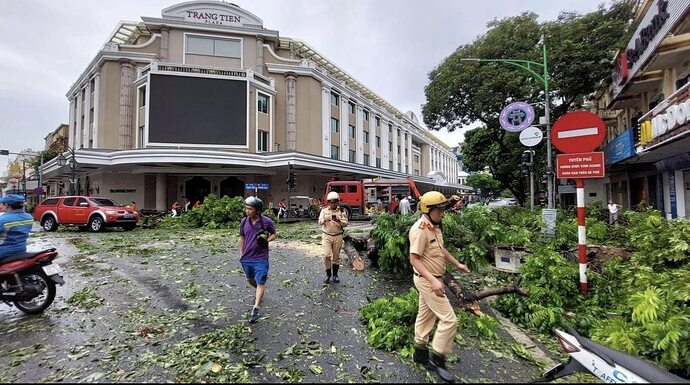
(192, 110)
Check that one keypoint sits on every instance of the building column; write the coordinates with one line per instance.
(126, 79)
(372, 139)
(161, 192)
(326, 120)
(79, 129)
(385, 151)
(359, 128)
(410, 158)
(345, 129)
(291, 110)
(72, 133)
(259, 55)
(165, 42)
(394, 148)
(96, 109)
(87, 115)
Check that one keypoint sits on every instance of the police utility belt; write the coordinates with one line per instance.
(419, 275)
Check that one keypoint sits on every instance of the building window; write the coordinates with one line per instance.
(366, 115)
(334, 125)
(366, 136)
(390, 128)
(390, 165)
(405, 153)
(378, 162)
(214, 46)
(378, 141)
(406, 137)
(416, 158)
(351, 130)
(335, 152)
(142, 96)
(407, 169)
(390, 146)
(262, 103)
(351, 107)
(366, 159)
(352, 156)
(262, 144)
(378, 121)
(416, 172)
(335, 99)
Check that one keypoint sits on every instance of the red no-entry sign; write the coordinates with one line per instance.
(579, 131)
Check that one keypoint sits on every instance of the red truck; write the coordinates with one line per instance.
(86, 212)
(360, 198)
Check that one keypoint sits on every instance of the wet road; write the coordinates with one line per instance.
(171, 305)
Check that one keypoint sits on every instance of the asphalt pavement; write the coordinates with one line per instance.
(142, 306)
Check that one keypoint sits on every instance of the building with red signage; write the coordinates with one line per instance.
(205, 100)
(647, 112)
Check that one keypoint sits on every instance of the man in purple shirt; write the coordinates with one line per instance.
(256, 231)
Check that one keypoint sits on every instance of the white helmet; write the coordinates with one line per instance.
(332, 196)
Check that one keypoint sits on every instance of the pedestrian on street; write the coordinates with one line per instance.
(332, 220)
(405, 205)
(256, 231)
(175, 208)
(613, 212)
(185, 203)
(15, 225)
(428, 257)
(282, 210)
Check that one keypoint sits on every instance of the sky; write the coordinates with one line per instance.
(390, 46)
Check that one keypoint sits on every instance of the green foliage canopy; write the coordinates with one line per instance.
(580, 49)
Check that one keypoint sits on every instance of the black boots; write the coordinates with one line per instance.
(438, 362)
(421, 355)
(335, 274)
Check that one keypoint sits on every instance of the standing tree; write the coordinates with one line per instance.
(581, 49)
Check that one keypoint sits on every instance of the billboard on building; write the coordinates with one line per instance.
(197, 111)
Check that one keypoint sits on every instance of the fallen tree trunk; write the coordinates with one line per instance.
(468, 299)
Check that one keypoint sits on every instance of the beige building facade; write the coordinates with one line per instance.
(205, 100)
(647, 111)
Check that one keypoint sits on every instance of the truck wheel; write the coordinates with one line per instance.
(96, 223)
(347, 213)
(48, 223)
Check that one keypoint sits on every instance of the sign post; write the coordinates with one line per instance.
(577, 135)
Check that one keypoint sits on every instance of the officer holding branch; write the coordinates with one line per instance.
(428, 257)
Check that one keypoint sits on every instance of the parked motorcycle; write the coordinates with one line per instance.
(28, 280)
(610, 366)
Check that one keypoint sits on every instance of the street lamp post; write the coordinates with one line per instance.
(529, 65)
(62, 160)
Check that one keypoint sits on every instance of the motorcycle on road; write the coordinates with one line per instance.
(610, 366)
(28, 280)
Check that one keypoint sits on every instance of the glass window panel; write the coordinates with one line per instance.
(227, 48)
(199, 45)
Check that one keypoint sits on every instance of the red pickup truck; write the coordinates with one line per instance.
(92, 213)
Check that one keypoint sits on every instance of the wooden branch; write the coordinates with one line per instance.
(469, 300)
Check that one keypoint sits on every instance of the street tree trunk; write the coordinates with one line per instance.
(468, 300)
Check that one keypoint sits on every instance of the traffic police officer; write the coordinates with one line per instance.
(332, 220)
(428, 258)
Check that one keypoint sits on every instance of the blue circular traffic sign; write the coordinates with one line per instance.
(516, 116)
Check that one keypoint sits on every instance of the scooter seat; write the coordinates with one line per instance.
(24, 255)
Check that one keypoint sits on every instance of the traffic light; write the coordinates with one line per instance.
(291, 182)
(4, 152)
(527, 162)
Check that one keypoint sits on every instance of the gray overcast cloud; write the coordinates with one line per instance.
(389, 46)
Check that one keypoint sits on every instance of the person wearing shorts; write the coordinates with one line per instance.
(256, 231)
